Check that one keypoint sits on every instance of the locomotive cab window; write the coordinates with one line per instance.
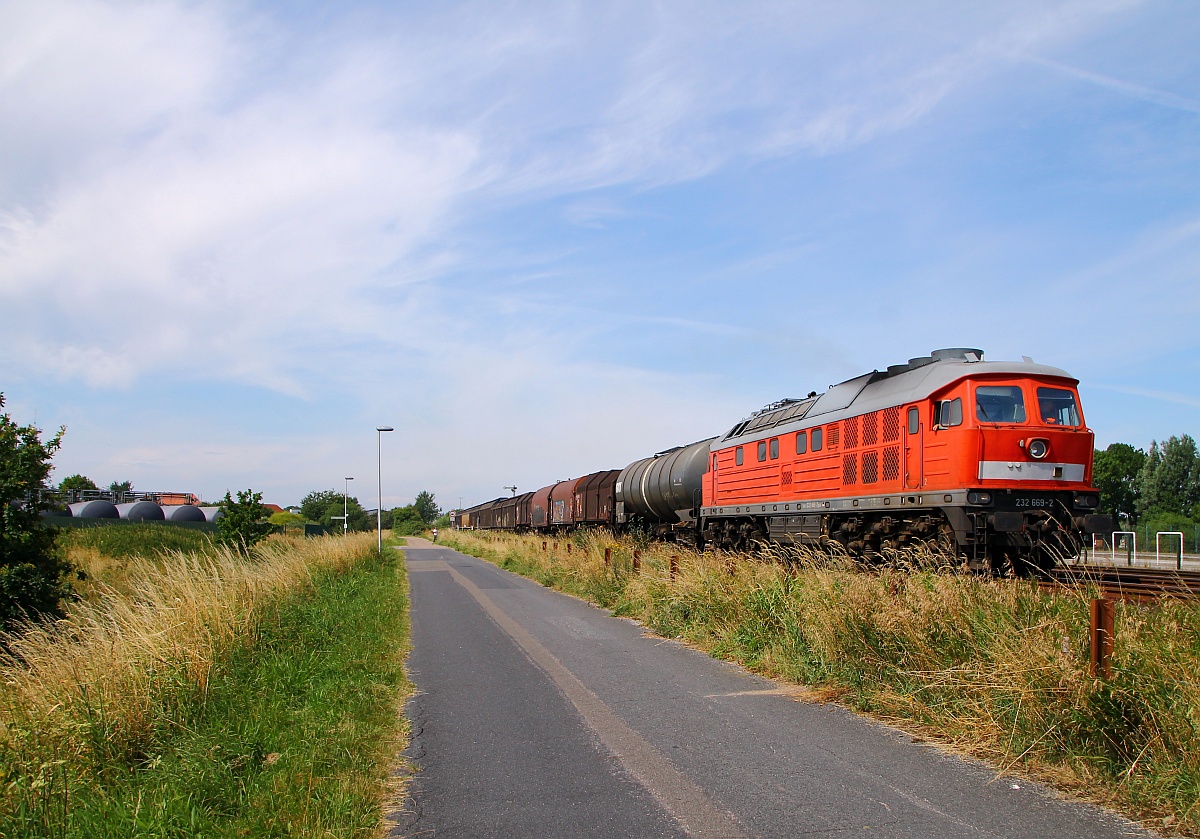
(914, 420)
(774, 448)
(762, 451)
(802, 442)
(999, 403)
(1057, 406)
(817, 439)
(737, 456)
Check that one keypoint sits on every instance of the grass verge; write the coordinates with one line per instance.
(997, 669)
(229, 696)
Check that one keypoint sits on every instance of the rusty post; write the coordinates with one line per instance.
(608, 557)
(729, 565)
(543, 547)
(568, 547)
(1100, 636)
(637, 562)
(674, 566)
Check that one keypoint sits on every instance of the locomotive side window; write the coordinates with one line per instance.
(737, 456)
(914, 420)
(999, 403)
(949, 413)
(762, 451)
(802, 442)
(816, 439)
(1057, 406)
(774, 448)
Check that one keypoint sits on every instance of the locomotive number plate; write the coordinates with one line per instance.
(1033, 503)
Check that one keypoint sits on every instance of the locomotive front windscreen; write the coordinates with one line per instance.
(999, 403)
(1057, 406)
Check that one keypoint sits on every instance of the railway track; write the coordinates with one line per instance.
(1125, 583)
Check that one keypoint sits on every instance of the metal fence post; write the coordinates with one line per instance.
(637, 562)
(1100, 638)
(608, 557)
(674, 566)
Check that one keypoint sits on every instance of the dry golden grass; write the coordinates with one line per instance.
(91, 687)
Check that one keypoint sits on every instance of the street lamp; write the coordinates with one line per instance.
(346, 507)
(379, 429)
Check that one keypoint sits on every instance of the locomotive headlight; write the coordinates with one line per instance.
(1087, 500)
(974, 497)
(1038, 448)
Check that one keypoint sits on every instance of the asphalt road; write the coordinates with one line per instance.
(538, 715)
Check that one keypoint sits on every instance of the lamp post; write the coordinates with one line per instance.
(379, 429)
(346, 507)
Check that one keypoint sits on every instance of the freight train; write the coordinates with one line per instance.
(988, 460)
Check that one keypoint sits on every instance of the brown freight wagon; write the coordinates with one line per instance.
(539, 512)
(562, 504)
(594, 498)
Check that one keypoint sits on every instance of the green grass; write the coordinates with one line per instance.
(141, 539)
(292, 734)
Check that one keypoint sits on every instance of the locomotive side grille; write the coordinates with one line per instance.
(870, 429)
(870, 467)
(832, 435)
(851, 432)
(849, 469)
(891, 425)
(786, 478)
(891, 463)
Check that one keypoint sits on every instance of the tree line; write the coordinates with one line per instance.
(326, 508)
(1157, 489)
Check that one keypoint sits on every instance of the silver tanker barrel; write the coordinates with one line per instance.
(212, 513)
(183, 512)
(141, 511)
(665, 488)
(96, 509)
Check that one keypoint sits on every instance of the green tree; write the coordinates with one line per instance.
(316, 503)
(243, 522)
(407, 521)
(426, 507)
(1115, 473)
(353, 510)
(1169, 481)
(76, 482)
(32, 571)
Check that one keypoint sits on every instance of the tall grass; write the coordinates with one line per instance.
(97, 699)
(995, 668)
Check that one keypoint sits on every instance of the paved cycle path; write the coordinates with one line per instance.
(538, 715)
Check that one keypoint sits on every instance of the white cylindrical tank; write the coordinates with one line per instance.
(141, 511)
(95, 509)
(212, 513)
(183, 512)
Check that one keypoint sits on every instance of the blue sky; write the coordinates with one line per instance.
(542, 239)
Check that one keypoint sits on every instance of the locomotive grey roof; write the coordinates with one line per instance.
(873, 391)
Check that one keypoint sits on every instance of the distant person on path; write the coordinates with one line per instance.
(435, 535)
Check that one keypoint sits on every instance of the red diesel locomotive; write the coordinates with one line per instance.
(991, 460)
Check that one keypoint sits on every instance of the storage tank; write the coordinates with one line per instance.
(95, 509)
(212, 513)
(141, 511)
(183, 512)
(663, 488)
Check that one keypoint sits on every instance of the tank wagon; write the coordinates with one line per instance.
(992, 460)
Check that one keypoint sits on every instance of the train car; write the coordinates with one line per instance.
(991, 459)
(539, 509)
(594, 501)
(524, 511)
(562, 505)
(663, 493)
